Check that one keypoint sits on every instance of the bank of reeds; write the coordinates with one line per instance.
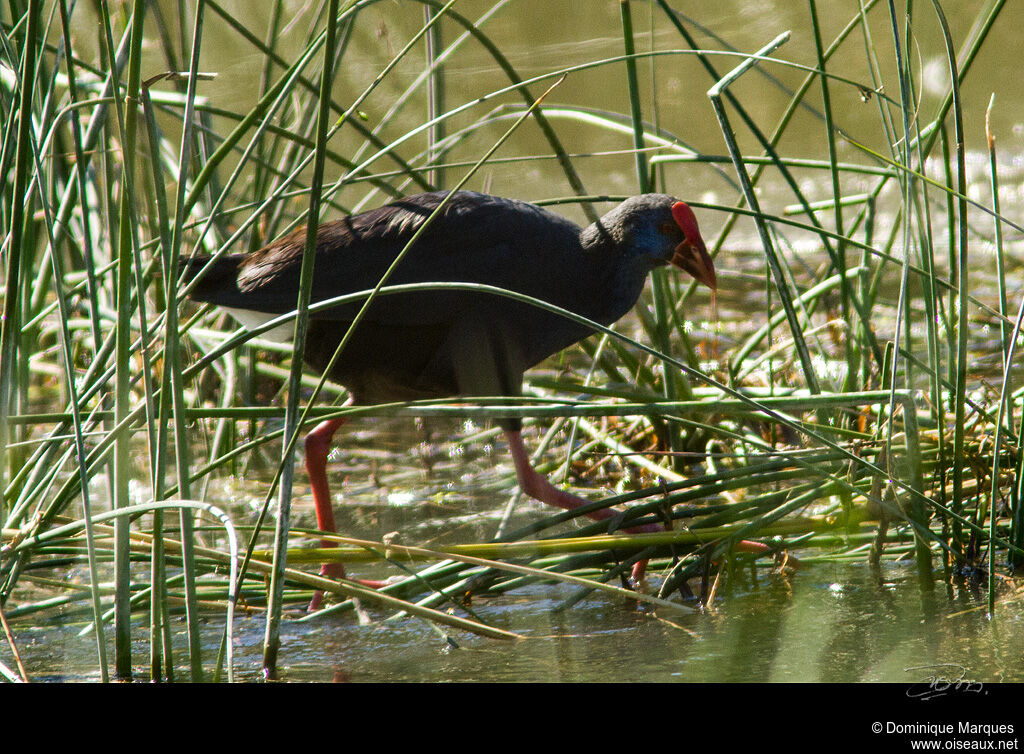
(848, 420)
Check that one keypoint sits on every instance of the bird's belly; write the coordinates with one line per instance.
(386, 386)
(381, 364)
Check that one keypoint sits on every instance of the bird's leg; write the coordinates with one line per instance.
(537, 486)
(318, 446)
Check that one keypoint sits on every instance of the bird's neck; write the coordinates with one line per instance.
(597, 239)
(621, 272)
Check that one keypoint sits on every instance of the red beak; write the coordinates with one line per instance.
(692, 255)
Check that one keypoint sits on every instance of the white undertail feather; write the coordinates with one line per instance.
(251, 320)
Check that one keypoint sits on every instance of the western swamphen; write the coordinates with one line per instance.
(443, 343)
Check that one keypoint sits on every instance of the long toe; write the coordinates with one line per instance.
(333, 571)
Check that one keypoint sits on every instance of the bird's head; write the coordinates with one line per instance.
(662, 230)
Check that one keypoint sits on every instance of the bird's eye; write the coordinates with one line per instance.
(667, 228)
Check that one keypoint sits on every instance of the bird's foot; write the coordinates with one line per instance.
(783, 560)
(638, 577)
(316, 603)
(332, 571)
(336, 571)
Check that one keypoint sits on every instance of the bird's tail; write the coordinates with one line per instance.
(219, 281)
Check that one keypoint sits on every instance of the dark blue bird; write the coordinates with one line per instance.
(447, 343)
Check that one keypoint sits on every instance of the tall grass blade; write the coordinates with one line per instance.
(272, 639)
(782, 285)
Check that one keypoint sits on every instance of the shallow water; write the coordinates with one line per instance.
(826, 622)
(446, 481)
(831, 623)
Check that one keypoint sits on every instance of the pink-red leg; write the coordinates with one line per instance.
(537, 486)
(318, 447)
(782, 558)
(534, 484)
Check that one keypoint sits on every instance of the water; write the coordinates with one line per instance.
(831, 624)
(826, 623)
(829, 621)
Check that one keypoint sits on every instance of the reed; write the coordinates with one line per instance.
(845, 418)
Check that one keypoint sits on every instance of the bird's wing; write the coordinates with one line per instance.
(477, 239)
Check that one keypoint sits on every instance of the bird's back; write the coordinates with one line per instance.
(477, 239)
(412, 345)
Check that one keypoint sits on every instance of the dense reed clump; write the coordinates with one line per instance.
(851, 393)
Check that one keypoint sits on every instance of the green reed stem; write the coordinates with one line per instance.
(10, 326)
(961, 279)
(172, 352)
(1009, 340)
(67, 346)
(122, 402)
(673, 385)
(830, 139)
(435, 94)
(781, 284)
(272, 639)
